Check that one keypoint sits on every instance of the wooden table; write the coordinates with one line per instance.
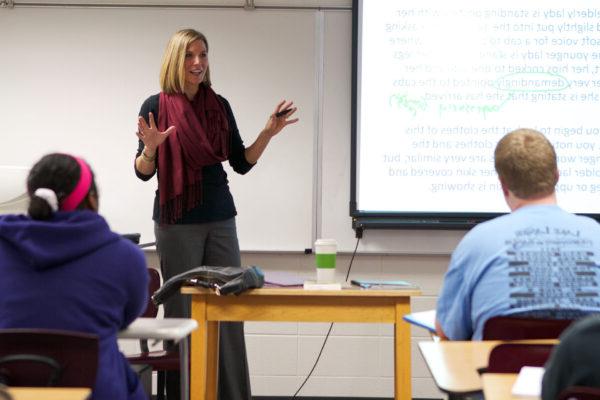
(295, 305)
(499, 387)
(454, 364)
(49, 393)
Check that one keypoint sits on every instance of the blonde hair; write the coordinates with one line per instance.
(526, 162)
(172, 71)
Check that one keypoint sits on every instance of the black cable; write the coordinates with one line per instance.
(330, 327)
(316, 362)
(352, 259)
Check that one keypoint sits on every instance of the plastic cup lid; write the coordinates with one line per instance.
(325, 242)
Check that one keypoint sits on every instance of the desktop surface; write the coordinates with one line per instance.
(49, 393)
(156, 328)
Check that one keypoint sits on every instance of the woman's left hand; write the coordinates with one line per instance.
(280, 118)
(277, 121)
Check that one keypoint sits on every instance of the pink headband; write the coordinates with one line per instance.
(81, 189)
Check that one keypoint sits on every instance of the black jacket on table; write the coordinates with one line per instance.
(217, 202)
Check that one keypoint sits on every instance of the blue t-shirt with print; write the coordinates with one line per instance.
(537, 261)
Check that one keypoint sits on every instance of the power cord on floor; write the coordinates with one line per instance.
(330, 327)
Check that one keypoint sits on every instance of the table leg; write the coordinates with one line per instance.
(199, 345)
(212, 358)
(184, 369)
(402, 381)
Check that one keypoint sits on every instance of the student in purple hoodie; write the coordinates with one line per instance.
(61, 267)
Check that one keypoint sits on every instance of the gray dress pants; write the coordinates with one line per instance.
(184, 246)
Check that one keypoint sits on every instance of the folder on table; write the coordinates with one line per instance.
(382, 284)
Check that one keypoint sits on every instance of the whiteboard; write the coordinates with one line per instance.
(73, 80)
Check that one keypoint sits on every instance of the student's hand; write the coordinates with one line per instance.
(276, 123)
(150, 135)
(439, 331)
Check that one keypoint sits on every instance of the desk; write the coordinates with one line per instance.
(296, 305)
(37, 393)
(454, 364)
(174, 329)
(499, 387)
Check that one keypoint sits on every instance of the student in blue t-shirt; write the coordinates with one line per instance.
(537, 261)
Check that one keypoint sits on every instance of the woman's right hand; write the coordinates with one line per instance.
(150, 135)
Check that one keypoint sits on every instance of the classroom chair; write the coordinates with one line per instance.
(43, 357)
(508, 358)
(159, 360)
(516, 328)
(580, 393)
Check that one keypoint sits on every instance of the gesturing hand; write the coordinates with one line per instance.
(150, 135)
(279, 119)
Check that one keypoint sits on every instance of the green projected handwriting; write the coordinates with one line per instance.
(482, 109)
(411, 105)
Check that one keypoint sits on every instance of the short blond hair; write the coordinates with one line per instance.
(172, 71)
(526, 162)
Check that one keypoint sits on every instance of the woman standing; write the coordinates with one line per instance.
(185, 132)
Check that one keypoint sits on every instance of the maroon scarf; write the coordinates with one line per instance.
(201, 138)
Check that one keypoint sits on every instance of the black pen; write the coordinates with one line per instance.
(282, 113)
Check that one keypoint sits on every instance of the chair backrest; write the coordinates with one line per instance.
(516, 328)
(580, 393)
(134, 237)
(42, 357)
(153, 286)
(510, 357)
(151, 308)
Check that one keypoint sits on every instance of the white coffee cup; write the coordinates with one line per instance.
(325, 260)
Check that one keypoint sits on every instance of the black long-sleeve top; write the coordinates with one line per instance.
(575, 361)
(217, 202)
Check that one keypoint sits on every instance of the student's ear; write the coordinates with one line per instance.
(505, 190)
(92, 201)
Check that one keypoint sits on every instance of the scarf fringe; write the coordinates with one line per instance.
(172, 211)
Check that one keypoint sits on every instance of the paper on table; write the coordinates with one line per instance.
(313, 285)
(529, 382)
(423, 319)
